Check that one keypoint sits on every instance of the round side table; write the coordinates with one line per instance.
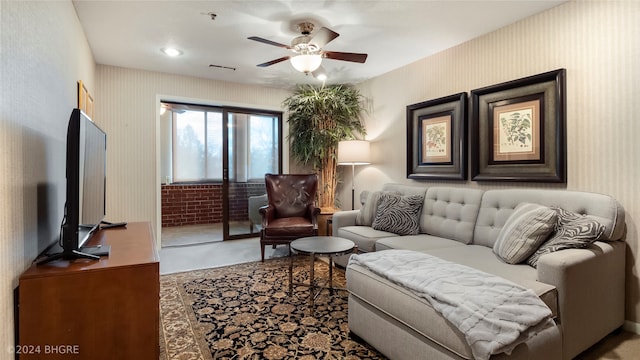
(313, 246)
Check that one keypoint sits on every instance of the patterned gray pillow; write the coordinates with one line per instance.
(398, 214)
(573, 231)
(369, 207)
(528, 226)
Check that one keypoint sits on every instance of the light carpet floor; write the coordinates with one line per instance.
(215, 254)
(203, 233)
(622, 345)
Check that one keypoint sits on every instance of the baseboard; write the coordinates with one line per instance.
(631, 327)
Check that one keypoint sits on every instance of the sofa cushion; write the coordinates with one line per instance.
(364, 237)
(398, 214)
(482, 258)
(573, 231)
(525, 230)
(476, 256)
(407, 307)
(416, 312)
(419, 242)
(450, 212)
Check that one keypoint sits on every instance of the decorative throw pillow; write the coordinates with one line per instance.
(528, 226)
(398, 214)
(369, 206)
(573, 231)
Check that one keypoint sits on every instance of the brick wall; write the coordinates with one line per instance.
(202, 203)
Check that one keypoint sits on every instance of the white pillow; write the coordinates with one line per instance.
(525, 230)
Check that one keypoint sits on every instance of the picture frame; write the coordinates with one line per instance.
(437, 139)
(518, 130)
(85, 100)
(88, 109)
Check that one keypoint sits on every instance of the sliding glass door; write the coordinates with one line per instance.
(253, 140)
(216, 158)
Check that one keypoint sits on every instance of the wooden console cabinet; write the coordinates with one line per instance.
(94, 309)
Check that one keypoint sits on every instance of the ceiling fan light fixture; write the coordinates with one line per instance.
(306, 63)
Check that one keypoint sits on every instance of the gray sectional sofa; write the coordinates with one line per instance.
(584, 288)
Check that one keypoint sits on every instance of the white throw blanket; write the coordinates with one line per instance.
(494, 314)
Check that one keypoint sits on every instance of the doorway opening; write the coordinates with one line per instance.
(213, 161)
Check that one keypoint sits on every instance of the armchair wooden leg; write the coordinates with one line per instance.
(262, 251)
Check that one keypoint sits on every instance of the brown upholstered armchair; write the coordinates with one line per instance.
(291, 211)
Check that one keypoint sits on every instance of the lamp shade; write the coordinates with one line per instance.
(306, 63)
(354, 152)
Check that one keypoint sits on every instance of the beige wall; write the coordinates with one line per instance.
(597, 42)
(44, 53)
(127, 108)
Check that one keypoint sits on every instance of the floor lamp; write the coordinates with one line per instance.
(353, 152)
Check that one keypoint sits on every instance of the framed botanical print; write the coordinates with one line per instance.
(516, 126)
(518, 130)
(436, 138)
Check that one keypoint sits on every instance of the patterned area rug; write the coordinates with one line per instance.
(244, 312)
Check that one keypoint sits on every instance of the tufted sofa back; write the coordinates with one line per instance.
(474, 216)
(497, 206)
(450, 212)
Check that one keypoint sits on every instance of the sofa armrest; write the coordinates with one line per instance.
(591, 292)
(342, 219)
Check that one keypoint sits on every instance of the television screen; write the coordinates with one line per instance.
(84, 209)
(91, 178)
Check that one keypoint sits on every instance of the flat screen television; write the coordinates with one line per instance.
(86, 181)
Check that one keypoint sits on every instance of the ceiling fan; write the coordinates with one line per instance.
(307, 49)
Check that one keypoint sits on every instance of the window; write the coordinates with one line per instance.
(263, 146)
(197, 146)
(197, 143)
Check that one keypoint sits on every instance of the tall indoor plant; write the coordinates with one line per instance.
(320, 117)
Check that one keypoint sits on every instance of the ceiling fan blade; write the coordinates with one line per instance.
(269, 63)
(354, 57)
(268, 42)
(322, 37)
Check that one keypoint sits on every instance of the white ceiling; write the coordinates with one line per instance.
(393, 32)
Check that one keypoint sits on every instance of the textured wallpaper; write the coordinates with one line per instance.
(127, 109)
(596, 41)
(44, 54)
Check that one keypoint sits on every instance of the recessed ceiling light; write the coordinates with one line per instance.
(171, 52)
